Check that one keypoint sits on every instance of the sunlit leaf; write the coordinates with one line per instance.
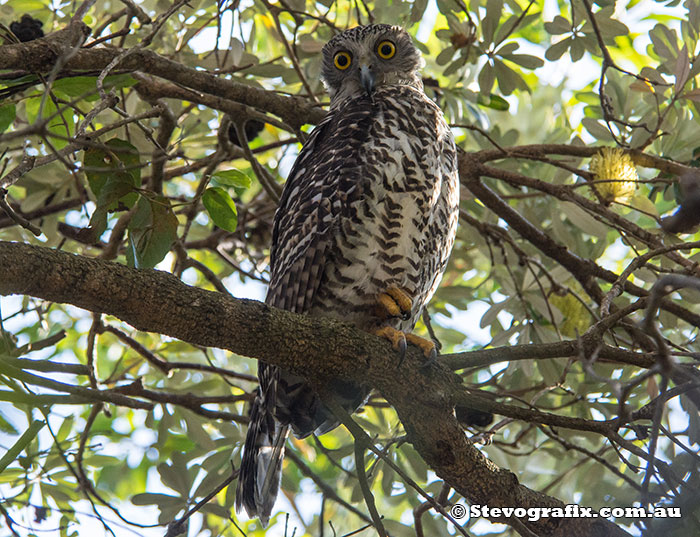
(221, 208)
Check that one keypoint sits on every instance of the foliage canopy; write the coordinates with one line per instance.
(163, 139)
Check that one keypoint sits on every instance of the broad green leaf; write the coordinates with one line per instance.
(418, 9)
(117, 161)
(221, 208)
(7, 116)
(234, 178)
(152, 232)
(494, 9)
(487, 77)
(114, 174)
(508, 79)
(559, 25)
(445, 56)
(644, 204)
(596, 128)
(493, 101)
(583, 220)
(61, 123)
(525, 60)
(557, 50)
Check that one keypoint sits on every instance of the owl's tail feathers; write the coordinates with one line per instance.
(261, 467)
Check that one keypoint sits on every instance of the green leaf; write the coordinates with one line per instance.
(445, 56)
(682, 69)
(152, 232)
(7, 427)
(418, 9)
(153, 498)
(508, 80)
(508, 48)
(596, 128)
(558, 26)
(21, 444)
(525, 60)
(644, 204)
(492, 101)
(114, 174)
(65, 429)
(583, 220)
(486, 78)
(557, 50)
(61, 124)
(235, 178)
(578, 48)
(7, 116)
(175, 478)
(221, 208)
(489, 23)
(118, 160)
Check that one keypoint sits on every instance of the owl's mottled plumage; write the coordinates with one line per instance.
(370, 204)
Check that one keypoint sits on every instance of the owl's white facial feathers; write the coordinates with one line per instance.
(361, 44)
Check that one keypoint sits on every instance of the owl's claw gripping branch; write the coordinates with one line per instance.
(396, 337)
(399, 339)
(428, 347)
(395, 302)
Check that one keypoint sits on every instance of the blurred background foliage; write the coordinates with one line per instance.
(166, 181)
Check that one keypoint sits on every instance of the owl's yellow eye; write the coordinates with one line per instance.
(342, 60)
(386, 49)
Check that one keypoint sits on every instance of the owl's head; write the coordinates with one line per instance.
(364, 58)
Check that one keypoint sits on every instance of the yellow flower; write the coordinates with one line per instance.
(614, 173)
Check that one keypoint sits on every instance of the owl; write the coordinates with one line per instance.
(363, 232)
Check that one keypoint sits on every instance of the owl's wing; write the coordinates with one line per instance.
(325, 181)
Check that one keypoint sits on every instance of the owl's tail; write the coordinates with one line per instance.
(261, 467)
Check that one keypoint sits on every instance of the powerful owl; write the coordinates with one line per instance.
(363, 232)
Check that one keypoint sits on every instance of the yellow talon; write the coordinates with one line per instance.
(427, 346)
(396, 337)
(395, 302)
(398, 340)
(389, 304)
(402, 299)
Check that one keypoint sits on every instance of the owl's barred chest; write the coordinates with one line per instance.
(402, 223)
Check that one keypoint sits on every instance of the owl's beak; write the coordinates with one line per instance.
(367, 79)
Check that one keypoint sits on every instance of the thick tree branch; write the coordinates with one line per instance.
(40, 56)
(319, 349)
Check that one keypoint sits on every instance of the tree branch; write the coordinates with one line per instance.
(316, 348)
(40, 55)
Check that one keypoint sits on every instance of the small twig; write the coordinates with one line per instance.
(266, 180)
(18, 171)
(16, 217)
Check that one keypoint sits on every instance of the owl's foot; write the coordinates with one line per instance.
(396, 337)
(395, 302)
(398, 340)
(427, 346)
